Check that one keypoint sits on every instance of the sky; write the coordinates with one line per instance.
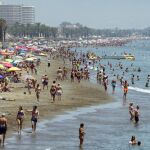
(98, 14)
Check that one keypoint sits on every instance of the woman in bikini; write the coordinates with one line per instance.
(20, 118)
(53, 91)
(34, 117)
(59, 91)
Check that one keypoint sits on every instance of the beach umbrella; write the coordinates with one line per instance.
(22, 54)
(30, 59)
(17, 61)
(14, 69)
(9, 60)
(29, 55)
(18, 57)
(2, 66)
(2, 77)
(7, 64)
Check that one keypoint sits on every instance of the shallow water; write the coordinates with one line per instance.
(107, 126)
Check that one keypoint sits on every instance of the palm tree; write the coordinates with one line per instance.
(3, 28)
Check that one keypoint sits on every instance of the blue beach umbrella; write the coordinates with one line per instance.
(2, 77)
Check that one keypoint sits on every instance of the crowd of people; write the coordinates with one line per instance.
(79, 71)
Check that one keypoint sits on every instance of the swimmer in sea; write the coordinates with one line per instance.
(20, 118)
(133, 141)
(81, 134)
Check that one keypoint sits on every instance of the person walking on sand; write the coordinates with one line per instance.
(59, 91)
(34, 118)
(48, 62)
(29, 85)
(53, 91)
(81, 134)
(37, 91)
(20, 118)
(3, 128)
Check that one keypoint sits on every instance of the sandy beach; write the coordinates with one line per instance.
(74, 95)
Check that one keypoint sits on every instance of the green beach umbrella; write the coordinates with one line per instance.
(9, 60)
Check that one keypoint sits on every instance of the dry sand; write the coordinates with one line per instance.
(74, 95)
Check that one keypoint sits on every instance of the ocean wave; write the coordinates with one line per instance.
(139, 89)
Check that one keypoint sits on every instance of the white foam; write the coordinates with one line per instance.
(139, 89)
(48, 149)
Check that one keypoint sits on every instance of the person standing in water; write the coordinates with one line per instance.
(3, 127)
(113, 83)
(81, 134)
(136, 114)
(132, 79)
(131, 111)
(20, 118)
(125, 88)
(34, 117)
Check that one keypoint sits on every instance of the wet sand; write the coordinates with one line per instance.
(74, 95)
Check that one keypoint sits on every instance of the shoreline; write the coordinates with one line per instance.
(74, 96)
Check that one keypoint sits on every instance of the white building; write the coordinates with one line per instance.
(17, 13)
(28, 15)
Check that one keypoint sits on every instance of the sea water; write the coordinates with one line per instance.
(107, 126)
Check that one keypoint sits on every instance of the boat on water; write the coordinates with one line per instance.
(91, 56)
(113, 57)
(129, 57)
(126, 56)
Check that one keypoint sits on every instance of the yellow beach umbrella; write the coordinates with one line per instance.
(29, 59)
(1, 66)
(14, 69)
